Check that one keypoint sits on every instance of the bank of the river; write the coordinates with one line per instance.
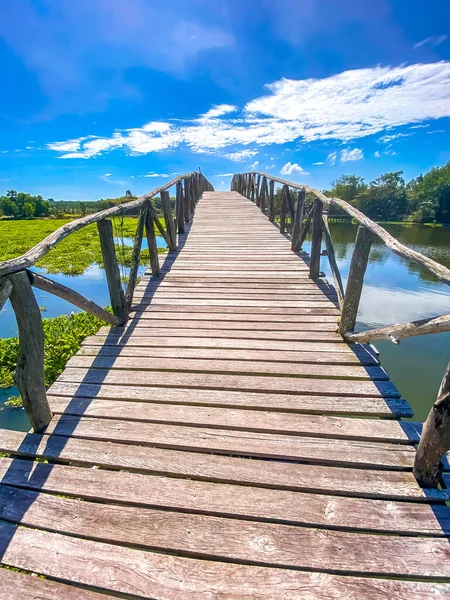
(395, 290)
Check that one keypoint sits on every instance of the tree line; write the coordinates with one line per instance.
(425, 199)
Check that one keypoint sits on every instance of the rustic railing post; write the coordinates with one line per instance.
(298, 219)
(186, 200)
(263, 194)
(132, 276)
(355, 280)
(435, 439)
(112, 270)
(180, 207)
(316, 239)
(332, 260)
(258, 190)
(252, 187)
(168, 218)
(29, 374)
(283, 210)
(151, 240)
(271, 201)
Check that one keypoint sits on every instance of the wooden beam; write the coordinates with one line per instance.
(355, 280)
(112, 271)
(151, 240)
(271, 201)
(284, 208)
(298, 219)
(64, 292)
(187, 204)
(180, 207)
(29, 374)
(316, 240)
(435, 439)
(400, 331)
(332, 260)
(305, 227)
(168, 219)
(161, 230)
(132, 277)
(5, 290)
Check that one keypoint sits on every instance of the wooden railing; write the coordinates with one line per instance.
(260, 188)
(17, 281)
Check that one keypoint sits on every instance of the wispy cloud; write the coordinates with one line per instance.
(435, 131)
(331, 158)
(365, 102)
(320, 162)
(107, 175)
(108, 179)
(293, 169)
(241, 156)
(224, 175)
(433, 40)
(386, 139)
(156, 175)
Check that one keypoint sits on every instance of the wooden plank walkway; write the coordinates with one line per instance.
(225, 443)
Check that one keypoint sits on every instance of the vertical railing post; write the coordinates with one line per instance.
(355, 280)
(168, 219)
(29, 374)
(112, 270)
(316, 239)
(271, 201)
(151, 240)
(283, 210)
(298, 219)
(186, 200)
(132, 276)
(5, 290)
(252, 187)
(180, 207)
(435, 439)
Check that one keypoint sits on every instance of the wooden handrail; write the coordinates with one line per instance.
(441, 272)
(30, 257)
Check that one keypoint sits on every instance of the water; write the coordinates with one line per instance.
(395, 291)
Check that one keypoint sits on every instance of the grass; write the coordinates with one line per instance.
(75, 253)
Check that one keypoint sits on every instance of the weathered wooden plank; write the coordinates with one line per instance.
(5, 290)
(135, 261)
(359, 357)
(242, 325)
(238, 419)
(340, 405)
(15, 585)
(252, 444)
(269, 384)
(252, 503)
(286, 311)
(227, 538)
(140, 363)
(280, 319)
(149, 574)
(371, 483)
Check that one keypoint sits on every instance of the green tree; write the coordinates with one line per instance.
(28, 209)
(385, 199)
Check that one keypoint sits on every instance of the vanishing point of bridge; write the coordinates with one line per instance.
(229, 436)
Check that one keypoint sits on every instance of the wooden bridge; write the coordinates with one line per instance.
(222, 439)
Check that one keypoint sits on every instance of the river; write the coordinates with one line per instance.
(395, 291)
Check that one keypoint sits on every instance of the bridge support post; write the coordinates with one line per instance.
(180, 207)
(316, 239)
(151, 241)
(112, 271)
(435, 439)
(355, 280)
(29, 374)
(298, 219)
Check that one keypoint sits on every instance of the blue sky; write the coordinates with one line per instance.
(100, 96)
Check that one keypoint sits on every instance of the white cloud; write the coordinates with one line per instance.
(155, 175)
(433, 40)
(419, 126)
(348, 155)
(365, 102)
(377, 154)
(219, 110)
(331, 158)
(4, 151)
(224, 175)
(435, 131)
(292, 169)
(240, 156)
(318, 163)
(107, 175)
(254, 164)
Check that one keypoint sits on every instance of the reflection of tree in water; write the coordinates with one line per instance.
(433, 242)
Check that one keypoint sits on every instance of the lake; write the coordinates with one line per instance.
(395, 291)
